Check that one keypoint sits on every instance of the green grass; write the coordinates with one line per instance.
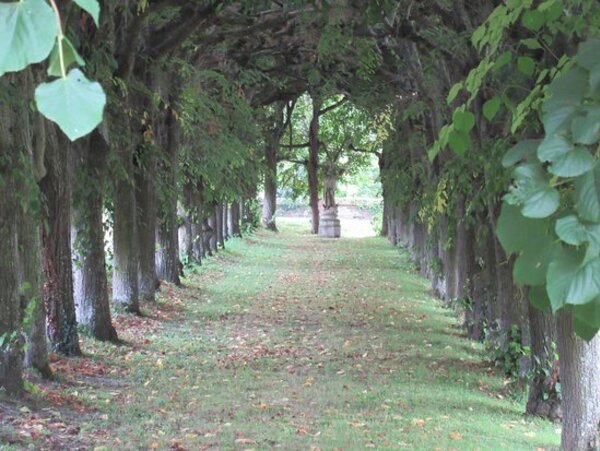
(292, 342)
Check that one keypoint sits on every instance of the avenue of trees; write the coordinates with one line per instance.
(135, 136)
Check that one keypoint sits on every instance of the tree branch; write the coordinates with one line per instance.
(173, 35)
(372, 152)
(333, 106)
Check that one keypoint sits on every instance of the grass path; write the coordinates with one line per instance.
(290, 342)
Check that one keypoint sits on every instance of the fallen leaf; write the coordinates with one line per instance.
(456, 436)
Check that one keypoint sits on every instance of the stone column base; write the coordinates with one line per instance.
(329, 225)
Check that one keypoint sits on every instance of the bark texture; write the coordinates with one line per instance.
(234, 219)
(220, 225)
(145, 198)
(580, 382)
(270, 197)
(32, 135)
(543, 400)
(211, 230)
(56, 240)
(168, 266)
(87, 235)
(30, 245)
(312, 167)
(11, 354)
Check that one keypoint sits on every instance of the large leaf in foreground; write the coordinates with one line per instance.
(74, 103)
(572, 280)
(28, 29)
(91, 7)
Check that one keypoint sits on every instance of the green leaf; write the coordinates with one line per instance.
(533, 20)
(566, 94)
(557, 118)
(569, 87)
(92, 8)
(74, 103)
(554, 147)
(526, 65)
(595, 80)
(538, 297)
(583, 329)
(542, 204)
(567, 160)
(459, 142)
(516, 232)
(531, 43)
(530, 239)
(463, 121)
(524, 150)
(553, 9)
(573, 164)
(560, 273)
(571, 230)
(28, 29)
(585, 285)
(532, 265)
(477, 36)
(491, 108)
(70, 56)
(570, 280)
(454, 92)
(532, 191)
(586, 128)
(588, 54)
(587, 195)
(589, 317)
(502, 60)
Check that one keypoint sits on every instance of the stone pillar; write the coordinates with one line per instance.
(329, 224)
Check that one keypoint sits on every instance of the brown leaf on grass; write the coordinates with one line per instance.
(357, 424)
(418, 422)
(456, 435)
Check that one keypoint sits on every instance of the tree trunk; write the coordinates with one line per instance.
(212, 226)
(207, 237)
(226, 213)
(56, 239)
(384, 218)
(248, 212)
(168, 266)
(197, 219)
(312, 167)
(31, 282)
(392, 219)
(145, 199)
(87, 235)
(270, 199)
(580, 383)
(125, 240)
(30, 259)
(234, 219)
(186, 245)
(543, 400)
(11, 351)
(219, 224)
(447, 257)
